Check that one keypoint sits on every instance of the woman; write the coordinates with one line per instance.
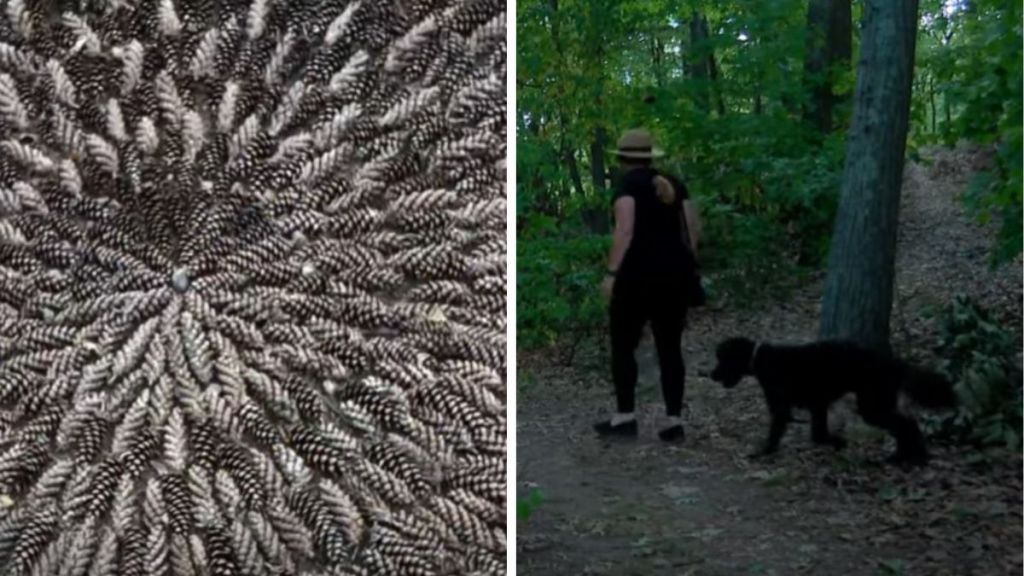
(653, 256)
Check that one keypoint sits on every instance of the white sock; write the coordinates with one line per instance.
(622, 418)
(673, 421)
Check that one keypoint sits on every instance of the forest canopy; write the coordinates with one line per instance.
(751, 101)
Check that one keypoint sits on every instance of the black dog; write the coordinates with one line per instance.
(814, 376)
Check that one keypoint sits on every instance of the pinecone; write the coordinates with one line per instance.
(252, 286)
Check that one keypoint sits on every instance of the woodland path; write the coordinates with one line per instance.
(700, 508)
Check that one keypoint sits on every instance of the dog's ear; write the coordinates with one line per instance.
(724, 346)
(730, 346)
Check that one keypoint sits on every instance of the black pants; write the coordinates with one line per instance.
(634, 303)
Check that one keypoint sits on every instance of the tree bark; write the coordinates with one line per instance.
(840, 26)
(657, 56)
(574, 171)
(818, 106)
(597, 170)
(859, 285)
(703, 68)
(931, 98)
(566, 150)
(597, 219)
(713, 74)
(829, 44)
(699, 69)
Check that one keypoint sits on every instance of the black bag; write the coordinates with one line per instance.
(695, 294)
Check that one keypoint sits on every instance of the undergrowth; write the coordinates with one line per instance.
(978, 357)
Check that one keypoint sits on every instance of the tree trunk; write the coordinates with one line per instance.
(931, 98)
(829, 44)
(574, 171)
(703, 68)
(859, 286)
(699, 69)
(597, 171)
(713, 74)
(657, 56)
(818, 110)
(598, 218)
(840, 34)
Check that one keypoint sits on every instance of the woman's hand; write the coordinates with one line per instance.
(607, 285)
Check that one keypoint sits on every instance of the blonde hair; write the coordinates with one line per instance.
(664, 189)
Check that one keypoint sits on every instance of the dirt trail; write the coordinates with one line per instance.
(701, 508)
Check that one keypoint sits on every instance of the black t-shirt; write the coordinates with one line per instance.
(657, 247)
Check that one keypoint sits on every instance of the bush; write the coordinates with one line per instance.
(978, 74)
(558, 287)
(978, 356)
(767, 190)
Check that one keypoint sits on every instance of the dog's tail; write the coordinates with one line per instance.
(928, 388)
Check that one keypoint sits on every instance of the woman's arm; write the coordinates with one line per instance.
(625, 214)
(691, 224)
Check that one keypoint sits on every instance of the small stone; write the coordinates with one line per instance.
(89, 345)
(180, 280)
(437, 316)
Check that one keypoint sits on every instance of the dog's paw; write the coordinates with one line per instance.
(907, 461)
(760, 454)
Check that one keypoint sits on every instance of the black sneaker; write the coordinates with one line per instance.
(606, 428)
(672, 433)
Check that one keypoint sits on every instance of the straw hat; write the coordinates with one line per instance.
(637, 143)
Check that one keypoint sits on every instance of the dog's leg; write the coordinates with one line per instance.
(910, 446)
(819, 429)
(780, 420)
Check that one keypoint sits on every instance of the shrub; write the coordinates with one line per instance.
(978, 356)
(557, 287)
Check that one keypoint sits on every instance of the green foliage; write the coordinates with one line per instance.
(525, 507)
(766, 183)
(767, 193)
(978, 357)
(970, 73)
(557, 283)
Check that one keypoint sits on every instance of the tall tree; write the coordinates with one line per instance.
(859, 285)
(703, 68)
(829, 45)
(597, 219)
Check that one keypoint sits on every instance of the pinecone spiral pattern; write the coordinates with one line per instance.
(252, 287)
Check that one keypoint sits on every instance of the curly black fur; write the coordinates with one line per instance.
(814, 376)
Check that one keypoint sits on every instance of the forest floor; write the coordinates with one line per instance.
(701, 508)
